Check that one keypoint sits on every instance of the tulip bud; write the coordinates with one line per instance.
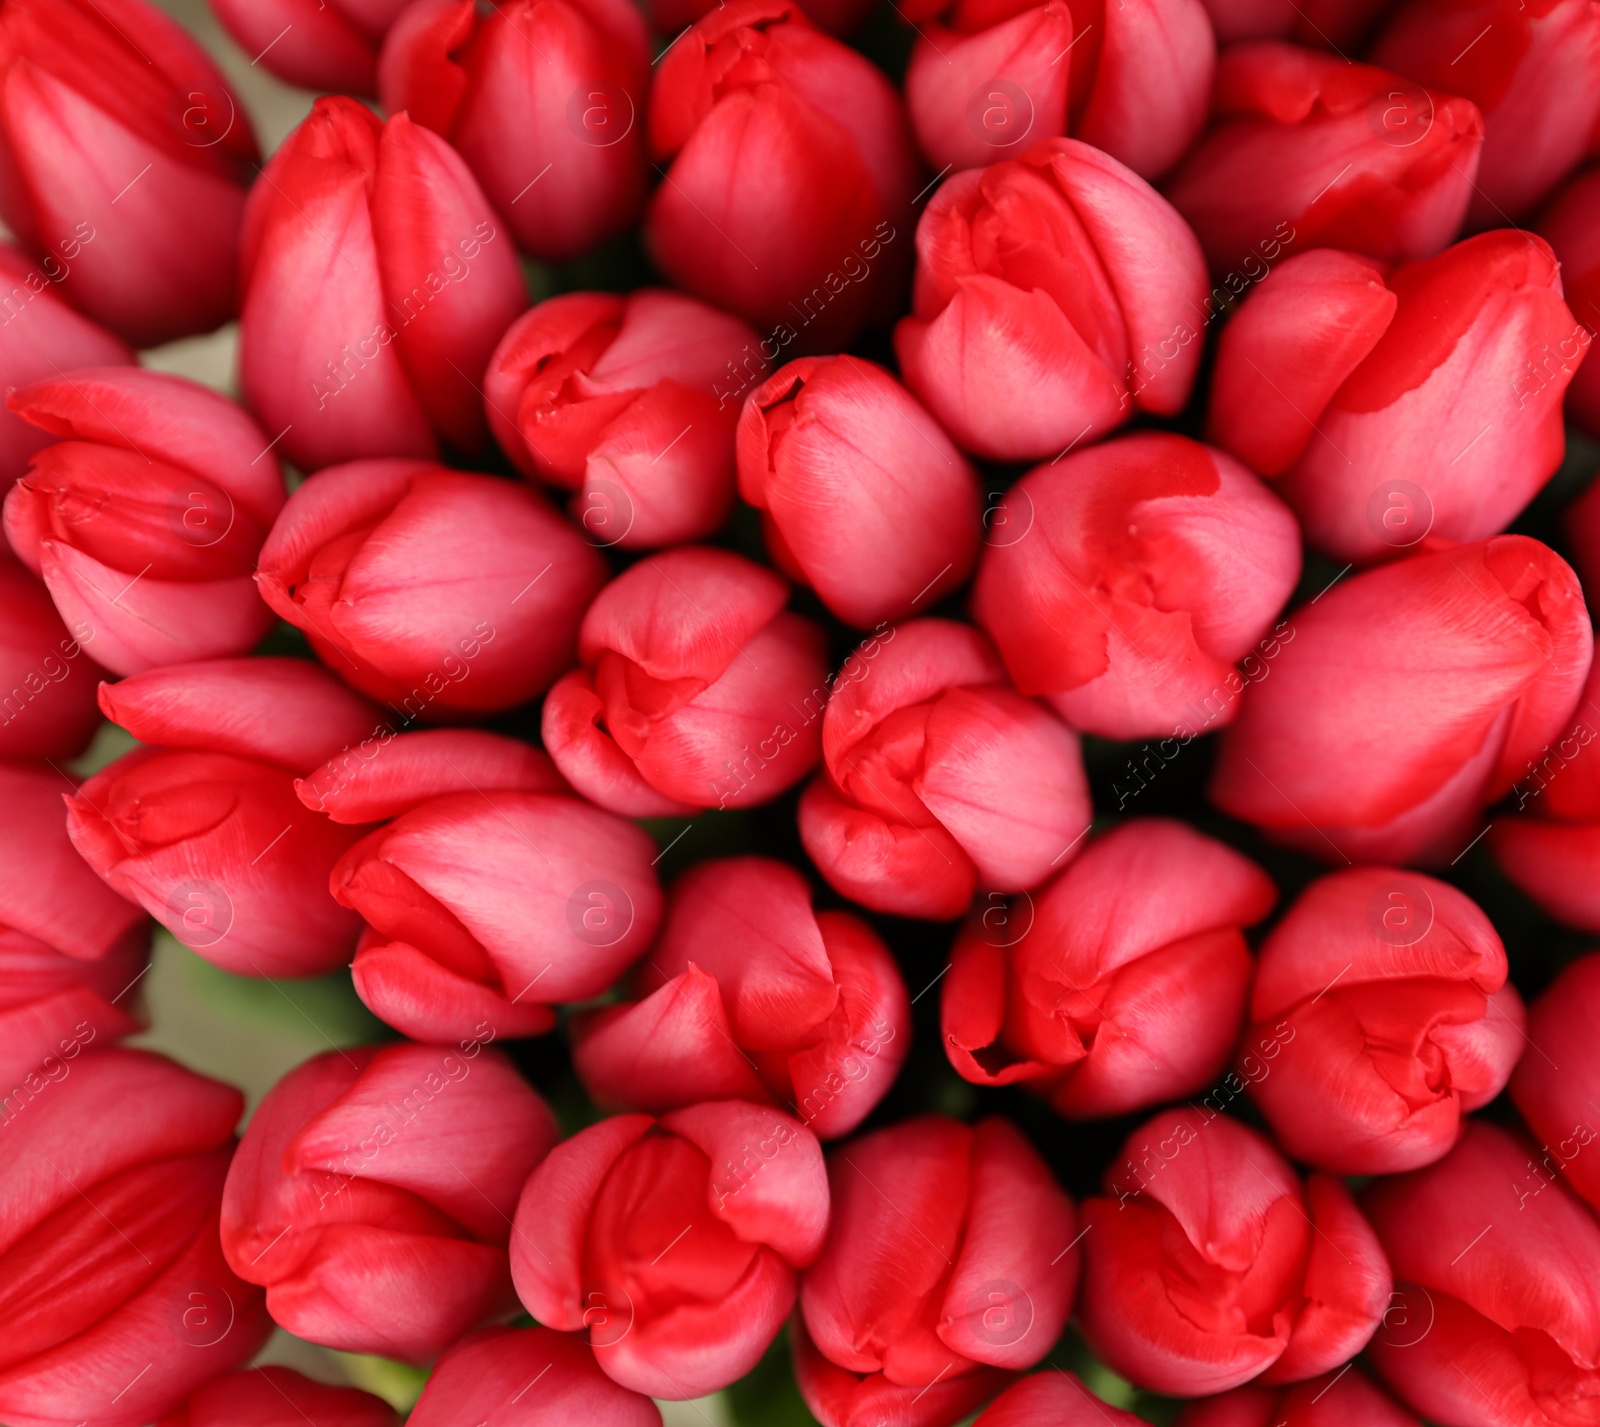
(47, 679)
(1211, 1262)
(951, 1263)
(1023, 347)
(1333, 1400)
(1126, 581)
(632, 403)
(811, 241)
(1450, 370)
(1458, 663)
(372, 1192)
(837, 17)
(1307, 150)
(492, 894)
(118, 1302)
(145, 519)
(334, 46)
(1052, 1399)
(862, 496)
(1380, 1016)
(986, 80)
(1493, 1316)
(598, 1222)
(1333, 24)
(698, 689)
(473, 79)
(1119, 986)
(376, 283)
(126, 157)
(1557, 1082)
(203, 829)
(1571, 224)
(750, 995)
(440, 592)
(938, 777)
(280, 1397)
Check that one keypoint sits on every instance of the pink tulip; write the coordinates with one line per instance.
(1052, 1399)
(536, 92)
(1126, 581)
(951, 1263)
(1558, 1080)
(862, 495)
(331, 44)
(280, 1397)
(698, 689)
(202, 827)
(598, 1241)
(1120, 985)
(117, 1300)
(1571, 224)
(1332, 24)
(372, 1193)
(491, 894)
(1334, 1400)
(47, 679)
(1055, 296)
(145, 519)
(439, 592)
(631, 402)
(126, 158)
(750, 995)
(376, 282)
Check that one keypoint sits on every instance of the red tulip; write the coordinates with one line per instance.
(487, 1376)
(750, 995)
(1052, 1399)
(1119, 986)
(117, 1301)
(811, 239)
(1336, 381)
(938, 777)
(1571, 224)
(539, 92)
(1457, 663)
(951, 1262)
(47, 679)
(145, 519)
(1557, 1081)
(632, 403)
(1334, 1400)
(126, 158)
(1055, 295)
(674, 1241)
(280, 1397)
(1308, 150)
(1227, 1269)
(837, 17)
(1494, 1317)
(490, 883)
(376, 283)
(1380, 1016)
(1534, 72)
(1333, 24)
(203, 829)
(332, 44)
(371, 1195)
(440, 592)
(698, 689)
(1135, 576)
(862, 495)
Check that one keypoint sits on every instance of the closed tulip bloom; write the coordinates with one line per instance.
(1211, 1262)
(675, 1241)
(631, 403)
(750, 995)
(202, 827)
(1495, 1264)
(1309, 150)
(1382, 997)
(280, 1397)
(1138, 573)
(1052, 1399)
(1334, 1400)
(862, 496)
(698, 689)
(1335, 378)
(442, 593)
(332, 45)
(123, 92)
(491, 894)
(813, 242)
(1332, 24)
(1121, 985)
(1571, 225)
(1556, 1082)
(566, 77)
(837, 17)
(376, 282)
(146, 517)
(47, 678)
(1460, 664)
(1056, 295)
(938, 777)
(117, 1301)
(372, 1192)
(951, 1263)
